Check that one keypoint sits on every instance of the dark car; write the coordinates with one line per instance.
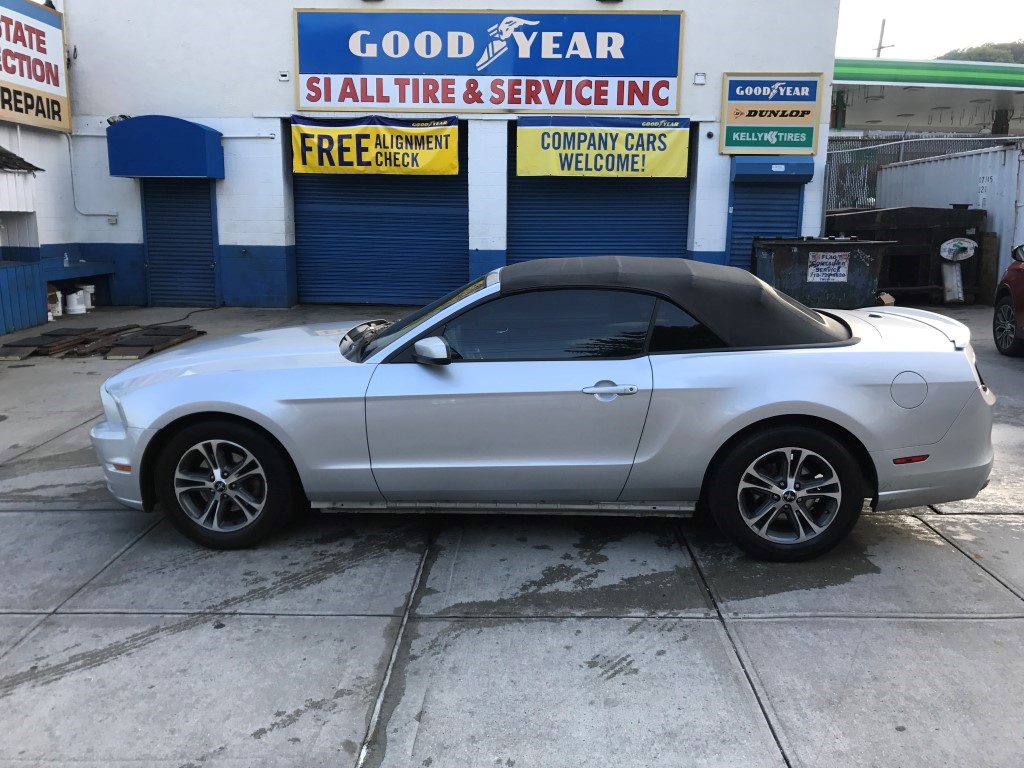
(1008, 320)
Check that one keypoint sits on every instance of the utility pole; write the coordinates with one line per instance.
(880, 48)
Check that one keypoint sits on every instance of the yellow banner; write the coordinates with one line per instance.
(602, 147)
(376, 145)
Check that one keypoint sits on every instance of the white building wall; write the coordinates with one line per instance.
(488, 184)
(220, 64)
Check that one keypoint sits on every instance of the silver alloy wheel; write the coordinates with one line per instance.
(789, 495)
(1005, 325)
(220, 485)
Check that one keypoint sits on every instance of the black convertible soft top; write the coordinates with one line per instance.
(740, 309)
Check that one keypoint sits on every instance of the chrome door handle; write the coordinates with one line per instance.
(611, 389)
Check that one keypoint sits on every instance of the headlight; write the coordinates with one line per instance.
(112, 410)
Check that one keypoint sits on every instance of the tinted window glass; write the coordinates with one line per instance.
(677, 331)
(553, 325)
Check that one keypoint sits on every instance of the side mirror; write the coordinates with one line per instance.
(432, 350)
(1018, 253)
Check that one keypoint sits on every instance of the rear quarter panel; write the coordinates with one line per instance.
(702, 400)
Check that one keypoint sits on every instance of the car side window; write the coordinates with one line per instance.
(676, 330)
(553, 325)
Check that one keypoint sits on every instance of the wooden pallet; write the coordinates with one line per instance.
(125, 342)
(135, 346)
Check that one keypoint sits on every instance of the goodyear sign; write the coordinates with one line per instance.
(33, 73)
(376, 145)
(488, 61)
(770, 114)
(580, 146)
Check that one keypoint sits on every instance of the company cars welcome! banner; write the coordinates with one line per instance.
(376, 145)
(487, 61)
(580, 146)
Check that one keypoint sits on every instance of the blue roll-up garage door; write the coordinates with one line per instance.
(381, 239)
(180, 242)
(552, 216)
(761, 210)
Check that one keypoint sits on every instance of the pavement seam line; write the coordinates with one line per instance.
(371, 727)
(50, 440)
(1009, 587)
(44, 616)
(740, 657)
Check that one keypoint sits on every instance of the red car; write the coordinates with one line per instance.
(1008, 320)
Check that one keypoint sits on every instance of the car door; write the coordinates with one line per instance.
(544, 401)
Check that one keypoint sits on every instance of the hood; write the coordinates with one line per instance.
(296, 347)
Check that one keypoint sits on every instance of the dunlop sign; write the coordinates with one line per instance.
(770, 114)
(376, 145)
(602, 146)
(488, 61)
(33, 73)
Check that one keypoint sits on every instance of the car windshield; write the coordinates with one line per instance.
(420, 316)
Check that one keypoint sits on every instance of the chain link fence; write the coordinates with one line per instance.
(853, 162)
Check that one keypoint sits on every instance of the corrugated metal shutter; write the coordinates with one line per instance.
(22, 296)
(551, 216)
(761, 210)
(381, 239)
(179, 230)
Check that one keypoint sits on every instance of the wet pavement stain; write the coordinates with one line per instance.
(328, 566)
(613, 667)
(286, 719)
(568, 588)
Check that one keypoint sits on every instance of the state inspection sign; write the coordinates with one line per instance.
(770, 114)
(33, 73)
(489, 61)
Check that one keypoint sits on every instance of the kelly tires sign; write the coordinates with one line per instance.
(770, 114)
(581, 146)
(487, 61)
(33, 73)
(376, 145)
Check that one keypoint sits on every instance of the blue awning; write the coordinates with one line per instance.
(164, 147)
(779, 169)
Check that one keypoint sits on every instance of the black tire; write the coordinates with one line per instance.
(269, 489)
(1004, 328)
(735, 496)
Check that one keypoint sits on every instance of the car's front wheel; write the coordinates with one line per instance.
(226, 485)
(787, 493)
(1004, 328)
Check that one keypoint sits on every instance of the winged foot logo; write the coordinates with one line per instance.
(501, 33)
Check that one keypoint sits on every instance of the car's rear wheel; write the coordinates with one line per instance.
(226, 485)
(787, 493)
(1004, 328)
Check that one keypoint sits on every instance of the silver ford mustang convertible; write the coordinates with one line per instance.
(602, 385)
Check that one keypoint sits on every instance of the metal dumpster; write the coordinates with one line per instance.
(832, 273)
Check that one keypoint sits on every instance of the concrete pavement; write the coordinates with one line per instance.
(491, 641)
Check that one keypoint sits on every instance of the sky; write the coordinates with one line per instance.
(924, 29)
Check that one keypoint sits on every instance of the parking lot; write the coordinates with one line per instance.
(448, 640)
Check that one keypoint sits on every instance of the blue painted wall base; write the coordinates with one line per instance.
(709, 257)
(258, 275)
(482, 262)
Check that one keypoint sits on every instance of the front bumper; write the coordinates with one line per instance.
(958, 466)
(117, 444)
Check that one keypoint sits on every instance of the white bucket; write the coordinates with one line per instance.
(75, 303)
(89, 291)
(58, 308)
